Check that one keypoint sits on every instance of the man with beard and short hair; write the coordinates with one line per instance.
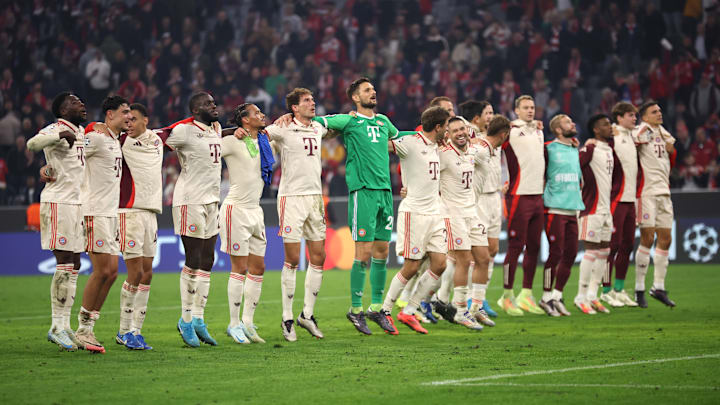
(563, 200)
(61, 228)
(197, 141)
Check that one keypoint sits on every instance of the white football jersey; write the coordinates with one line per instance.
(627, 154)
(299, 149)
(456, 178)
(654, 159)
(101, 188)
(420, 164)
(199, 150)
(525, 157)
(597, 164)
(68, 163)
(141, 183)
(246, 184)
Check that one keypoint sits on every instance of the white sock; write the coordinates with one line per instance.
(188, 288)
(471, 268)
(491, 266)
(409, 288)
(586, 266)
(127, 306)
(253, 287)
(85, 320)
(141, 302)
(446, 281)
(557, 295)
(598, 271)
(660, 261)
(478, 296)
(72, 289)
(287, 289)
(642, 261)
(235, 296)
(313, 281)
(460, 297)
(426, 284)
(60, 294)
(547, 296)
(397, 284)
(201, 296)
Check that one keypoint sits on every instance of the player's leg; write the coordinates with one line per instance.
(564, 267)
(517, 232)
(460, 280)
(94, 294)
(292, 213)
(554, 229)
(59, 295)
(202, 289)
(288, 276)
(397, 285)
(622, 259)
(132, 240)
(646, 208)
(361, 217)
(253, 289)
(660, 259)
(525, 299)
(313, 281)
(480, 277)
(587, 264)
(188, 288)
(141, 301)
(447, 281)
(598, 272)
(427, 283)
(381, 247)
(235, 291)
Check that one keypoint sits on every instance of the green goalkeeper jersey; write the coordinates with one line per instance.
(366, 140)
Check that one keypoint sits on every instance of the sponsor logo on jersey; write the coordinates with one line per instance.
(62, 240)
(131, 243)
(192, 228)
(236, 246)
(361, 232)
(157, 142)
(99, 243)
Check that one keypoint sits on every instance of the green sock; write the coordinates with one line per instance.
(619, 284)
(378, 276)
(357, 285)
(606, 289)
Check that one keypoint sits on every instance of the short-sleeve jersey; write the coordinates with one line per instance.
(456, 180)
(597, 163)
(654, 159)
(487, 172)
(101, 188)
(246, 184)
(420, 174)
(68, 163)
(299, 149)
(366, 138)
(141, 182)
(525, 156)
(199, 152)
(626, 152)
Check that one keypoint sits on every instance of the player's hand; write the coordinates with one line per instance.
(69, 137)
(403, 192)
(505, 188)
(353, 114)
(284, 120)
(615, 130)
(591, 141)
(540, 125)
(47, 174)
(574, 142)
(669, 147)
(241, 133)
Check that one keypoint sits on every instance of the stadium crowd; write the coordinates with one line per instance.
(575, 57)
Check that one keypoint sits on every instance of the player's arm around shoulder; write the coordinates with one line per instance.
(337, 122)
(401, 146)
(227, 145)
(177, 137)
(586, 154)
(48, 136)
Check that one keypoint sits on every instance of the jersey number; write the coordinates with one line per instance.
(388, 226)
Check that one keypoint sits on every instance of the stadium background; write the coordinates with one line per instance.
(576, 57)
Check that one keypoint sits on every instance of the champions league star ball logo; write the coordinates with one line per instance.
(700, 242)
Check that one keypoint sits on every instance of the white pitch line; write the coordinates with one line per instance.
(634, 386)
(565, 370)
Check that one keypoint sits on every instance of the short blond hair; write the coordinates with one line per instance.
(523, 98)
(555, 122)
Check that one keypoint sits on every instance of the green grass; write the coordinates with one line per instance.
(347, 367)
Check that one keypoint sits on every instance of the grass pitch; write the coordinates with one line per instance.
(629, 356)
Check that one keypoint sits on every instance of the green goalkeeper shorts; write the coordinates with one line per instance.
(370, 215)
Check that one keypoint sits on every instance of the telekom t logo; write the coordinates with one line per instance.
(310, 145)
(215, 152)
(374, 132)
(81, 154)
(434, 169)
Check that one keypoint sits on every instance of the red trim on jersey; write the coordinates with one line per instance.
(228, 226)
(451, 239)
(640, 182)
(406, 244)
(513, 207)
(183, 219)
(53, 224)
(422, 137)
(673, 157)
(450, 145)
(282, 216)
(549, 222)
(121, 221)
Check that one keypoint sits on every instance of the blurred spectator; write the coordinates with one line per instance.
(705, 99)
(98, 74)
(703, 149)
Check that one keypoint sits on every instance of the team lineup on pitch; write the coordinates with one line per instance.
(460, 175)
